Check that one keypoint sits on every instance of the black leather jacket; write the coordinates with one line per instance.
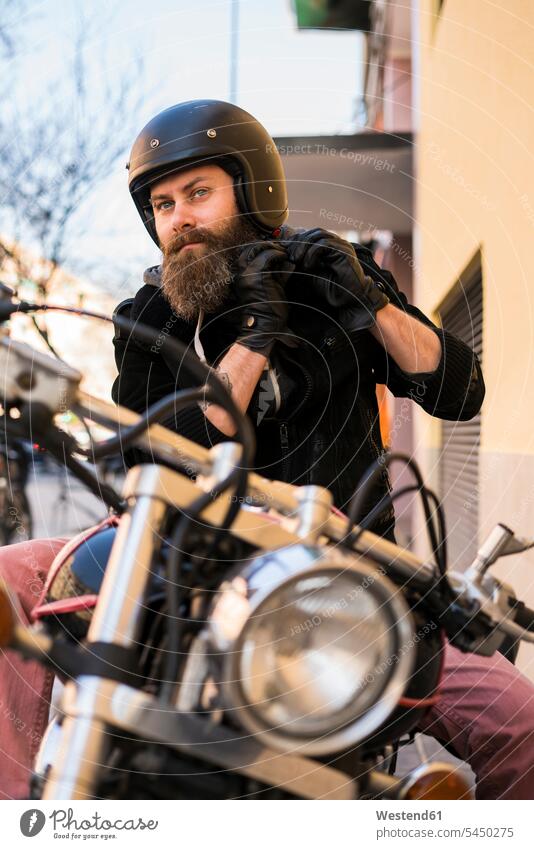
(315, 412)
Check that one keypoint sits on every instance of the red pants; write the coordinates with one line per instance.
(486, 710)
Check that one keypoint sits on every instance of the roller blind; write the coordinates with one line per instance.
(462, 314)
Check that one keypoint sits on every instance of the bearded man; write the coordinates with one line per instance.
(301, 326)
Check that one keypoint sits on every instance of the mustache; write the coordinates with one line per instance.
(228, 242)
(181, 239)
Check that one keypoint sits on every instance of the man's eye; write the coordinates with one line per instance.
(162, 205)
(196, 191)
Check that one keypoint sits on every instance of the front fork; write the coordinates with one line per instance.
(117, 619)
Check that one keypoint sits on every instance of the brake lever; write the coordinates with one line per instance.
(500, 543)
(482, 594)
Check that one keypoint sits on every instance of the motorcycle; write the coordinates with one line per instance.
(221, 635)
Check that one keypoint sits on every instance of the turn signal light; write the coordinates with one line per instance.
(435, 781)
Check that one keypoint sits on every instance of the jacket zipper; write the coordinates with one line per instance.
(328, 341)
(377, 450)
(379, 453)
(307, 394)
(284, 444)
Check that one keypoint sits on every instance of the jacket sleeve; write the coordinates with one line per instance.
(455, 390)
(145, 378)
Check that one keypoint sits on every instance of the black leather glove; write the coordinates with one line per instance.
(261, 272)
(336, 275)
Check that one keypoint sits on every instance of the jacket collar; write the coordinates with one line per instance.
(152, 276)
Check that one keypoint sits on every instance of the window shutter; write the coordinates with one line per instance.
(462, 314)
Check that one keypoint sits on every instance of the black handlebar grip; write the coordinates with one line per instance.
(524, 616)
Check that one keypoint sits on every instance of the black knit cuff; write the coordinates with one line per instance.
(455, 390)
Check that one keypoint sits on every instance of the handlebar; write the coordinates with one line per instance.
(36, 380)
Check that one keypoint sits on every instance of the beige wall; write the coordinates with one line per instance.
(475, 189)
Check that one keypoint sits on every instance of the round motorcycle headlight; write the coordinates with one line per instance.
(322, 657)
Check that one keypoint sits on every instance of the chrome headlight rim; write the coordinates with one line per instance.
(357, 727)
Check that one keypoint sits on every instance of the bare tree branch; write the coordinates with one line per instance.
(56, 154)
(10, 13)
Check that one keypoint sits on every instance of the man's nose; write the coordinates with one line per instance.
(182, 217)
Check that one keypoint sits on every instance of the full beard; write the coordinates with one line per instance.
(199, 278)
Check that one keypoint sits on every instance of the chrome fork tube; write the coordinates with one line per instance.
(117, 619)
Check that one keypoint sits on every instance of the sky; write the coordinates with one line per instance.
(295, 82)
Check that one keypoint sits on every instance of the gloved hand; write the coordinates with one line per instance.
(336, 275)
(261, 272)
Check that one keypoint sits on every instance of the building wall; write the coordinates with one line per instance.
(394, 114)
(475, 190)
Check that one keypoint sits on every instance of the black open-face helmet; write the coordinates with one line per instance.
(218, 133)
